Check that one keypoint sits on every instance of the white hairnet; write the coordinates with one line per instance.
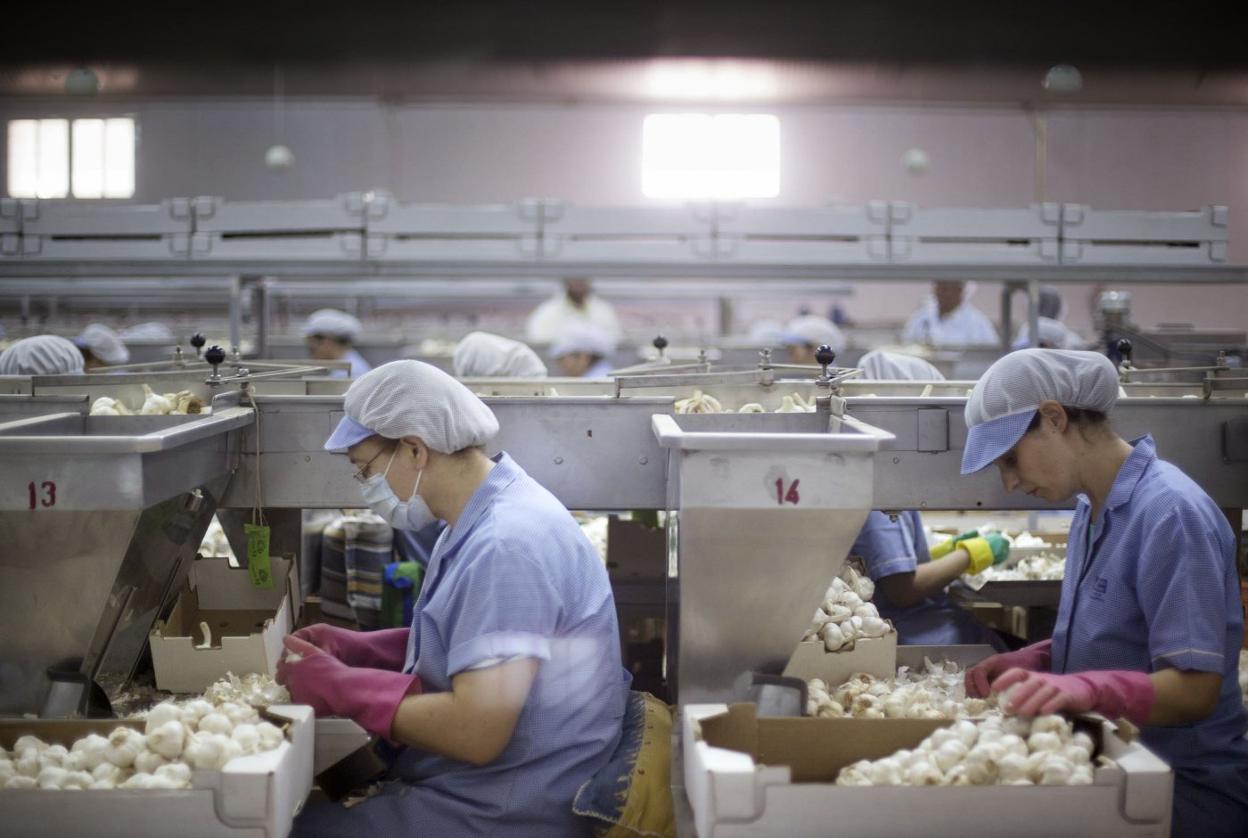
(483, 355)
(1007, 396)
(1053, 335)
(41, 355)
(766, 332)
(894, 366)
(814, 330)
(103, 343)
(582, 337)
(152, 331)
(332, 323)
(410, 398)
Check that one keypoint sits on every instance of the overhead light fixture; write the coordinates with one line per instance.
(82, 81)
(1063, 78)
(696, 79)
(278, 157)
(915, 161)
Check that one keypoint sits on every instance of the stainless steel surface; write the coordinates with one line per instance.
(98, 517)
(1194, 434)
(567, 444)
(755, 496)
(16, 406)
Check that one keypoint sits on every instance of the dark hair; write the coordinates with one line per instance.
(338, 339)
(1076, 416)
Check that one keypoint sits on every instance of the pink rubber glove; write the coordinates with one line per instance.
(385, 649)
(1115, 694)
(1035, 658)
(370, 697)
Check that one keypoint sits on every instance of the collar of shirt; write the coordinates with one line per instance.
(503, 474)
(1142, 456)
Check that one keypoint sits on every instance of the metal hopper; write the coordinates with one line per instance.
(766, 509)
(99, 517)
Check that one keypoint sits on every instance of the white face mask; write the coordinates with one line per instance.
(412, 515)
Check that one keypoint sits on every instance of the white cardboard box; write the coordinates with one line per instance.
(247, 625)
(255, 796)
(747, 776)
(875, 656)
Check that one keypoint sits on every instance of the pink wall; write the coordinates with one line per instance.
(980, 156)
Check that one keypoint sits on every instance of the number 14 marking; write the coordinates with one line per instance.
(791, 496)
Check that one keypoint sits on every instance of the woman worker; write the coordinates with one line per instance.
(910, 580)
(1150, 622)
(507, 693)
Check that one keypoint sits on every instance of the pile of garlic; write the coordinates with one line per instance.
(796, 404)
(1044, 751)
(177, 739)
(1038, 568)
(939, 692)
(846, 614)
(184, 402)
(699, 402)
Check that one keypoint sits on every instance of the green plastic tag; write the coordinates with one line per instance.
(258, 565)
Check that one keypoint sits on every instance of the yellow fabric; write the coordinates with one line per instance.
(980, 552)
(648, 810)
(943, 549)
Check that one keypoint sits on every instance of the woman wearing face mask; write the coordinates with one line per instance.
(1150, 622)
(507, 692)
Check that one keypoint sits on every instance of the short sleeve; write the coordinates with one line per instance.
(504, 608)
(1181, 586)
(885, 546)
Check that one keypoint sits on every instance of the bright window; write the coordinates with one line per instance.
(88, 158)
(710, 156)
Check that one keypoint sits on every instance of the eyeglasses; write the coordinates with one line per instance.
(362, 475)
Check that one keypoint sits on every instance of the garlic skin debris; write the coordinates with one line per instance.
(962, 755)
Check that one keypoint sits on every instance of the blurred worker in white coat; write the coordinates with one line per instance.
(485, 355)
(101, 347)
(41, 355)
(583, 351)
(947, 319)
(804, 335)
(329, 335)
(1054, 334)
(577, 304)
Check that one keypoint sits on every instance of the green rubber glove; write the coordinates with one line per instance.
(985, 551)
(947, 547)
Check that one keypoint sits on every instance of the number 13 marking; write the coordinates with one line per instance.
(791, 496)
(49, 494)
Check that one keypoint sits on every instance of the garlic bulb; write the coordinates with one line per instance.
(148, 761)
(832, 636)
(795, 404)
(752, 407)
(175, 772)
(125, 744)
(216, 722)
(94, 750)
(106, 771)
(7, 769)
(51, 777)
(77, 780)
(162, 714)
(25, 743)
(247, 737)
(155, 404)
(194, 710)
(20, 782)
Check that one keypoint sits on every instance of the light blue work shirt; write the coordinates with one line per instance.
(890, 547)
(514, 578)
(1159, 588)
(358, 365)
(601, 369)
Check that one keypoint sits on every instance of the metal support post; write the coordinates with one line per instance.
(236, 311)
